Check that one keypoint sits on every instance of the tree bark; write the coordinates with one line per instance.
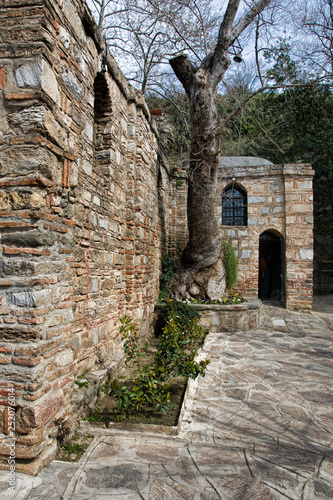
(204, 241)
(200, 84)
(204, 245)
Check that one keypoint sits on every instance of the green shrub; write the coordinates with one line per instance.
(230, 263)
(175, 356)
(148, 387)
(181, 311)
(178, 348)
(169, 268)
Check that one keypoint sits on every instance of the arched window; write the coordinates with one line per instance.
(234, 206)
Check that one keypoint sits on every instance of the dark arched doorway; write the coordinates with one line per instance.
(271, 267)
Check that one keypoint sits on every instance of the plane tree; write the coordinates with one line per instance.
(200, 83)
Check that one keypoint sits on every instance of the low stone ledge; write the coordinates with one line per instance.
(100, 429)
(35, 465)
(227, 318)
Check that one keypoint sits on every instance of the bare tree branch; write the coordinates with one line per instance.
(223, 42)
(256, 49)
(184, 71)
(247, 18)
(219, 61)
(265, 132)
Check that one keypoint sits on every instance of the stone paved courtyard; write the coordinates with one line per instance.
(259, 426)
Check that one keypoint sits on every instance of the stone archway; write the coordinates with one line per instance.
(271, 283)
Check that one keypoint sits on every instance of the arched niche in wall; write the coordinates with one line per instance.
(271, 279)
(234, 205)
(102, 124)
(103, 103)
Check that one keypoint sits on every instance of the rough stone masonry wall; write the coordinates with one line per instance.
(80, 242)
(172, 196)
(280, 200)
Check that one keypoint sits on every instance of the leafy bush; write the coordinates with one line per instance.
(178, 348)
(148, 387)
(175, 356)
(180, 311)
(230, 263)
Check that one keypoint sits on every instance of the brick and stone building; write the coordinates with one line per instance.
(86, 206)
(265, 212)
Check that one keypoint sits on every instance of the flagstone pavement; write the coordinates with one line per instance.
(258, 426)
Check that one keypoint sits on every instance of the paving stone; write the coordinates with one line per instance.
(259, 425)
(108, 477)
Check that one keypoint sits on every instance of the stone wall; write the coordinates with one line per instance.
(80, 228)
(279, 200)
(172, 192)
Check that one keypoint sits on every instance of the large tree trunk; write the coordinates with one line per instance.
(204, 245)
(201, 268)
(204, 241)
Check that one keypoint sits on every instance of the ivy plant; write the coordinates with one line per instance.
(169, 268)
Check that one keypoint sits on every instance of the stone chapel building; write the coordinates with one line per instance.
(266, 213)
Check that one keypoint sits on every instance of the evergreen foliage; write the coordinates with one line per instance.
(175, 356)
(230, 263)
(180, 311)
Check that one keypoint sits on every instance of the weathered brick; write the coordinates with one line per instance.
(6, 282)
(31, 321)
(25, 361)
(17, 251)
(2, 77)
(6, 349)
(9, 320)
(5, 224)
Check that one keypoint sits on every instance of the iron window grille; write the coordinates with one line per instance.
(234, 206)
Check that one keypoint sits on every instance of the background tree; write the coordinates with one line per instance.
(313, 22)
(191, 28)
(144, 34)
(150, 31)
